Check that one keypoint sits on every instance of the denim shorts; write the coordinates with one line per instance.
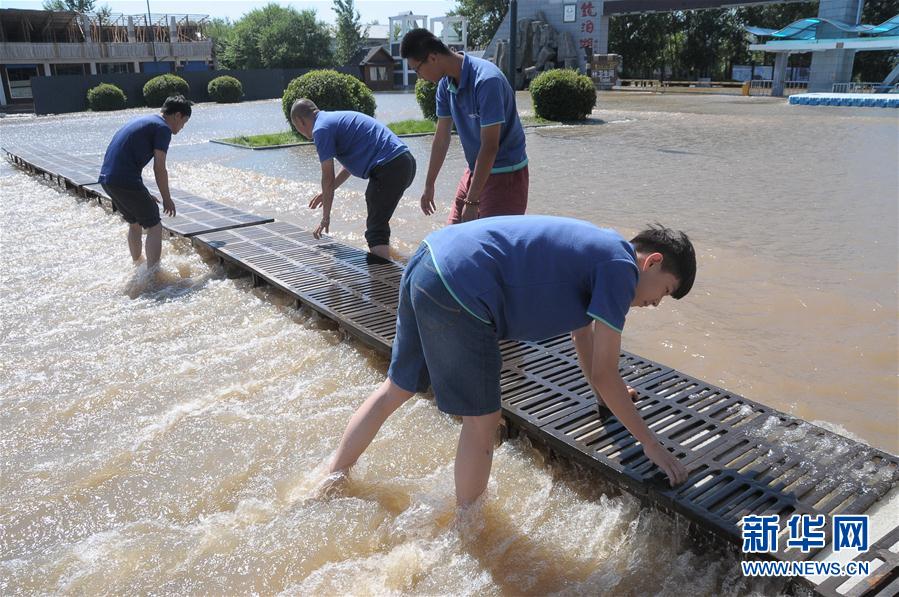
(439, 343)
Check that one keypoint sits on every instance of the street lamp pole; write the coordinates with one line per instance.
(513, 40)
(150, 31)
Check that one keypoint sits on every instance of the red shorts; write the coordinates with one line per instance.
(504, 194)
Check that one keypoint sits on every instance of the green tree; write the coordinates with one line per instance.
(350, 31)
(641, 40)
(278, 37)
(76, 5)
(875, 66)
(484, 18)
(221, 32)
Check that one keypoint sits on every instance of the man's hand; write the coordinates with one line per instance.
(469, 212)
(427, 201)
(322, 228)
(666, 461)
(168, 207)
(316, 202)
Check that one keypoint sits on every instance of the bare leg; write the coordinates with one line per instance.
(134, 238)
(154, 245)
(474, 455)
(365, 423)
(382, 251)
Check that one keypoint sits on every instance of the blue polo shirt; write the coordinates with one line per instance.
(534, 277)
(132, 148)
(357, 140)
(483, 98)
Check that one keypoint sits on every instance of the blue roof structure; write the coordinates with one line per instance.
(807, 29)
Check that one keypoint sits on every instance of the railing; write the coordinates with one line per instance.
(865, 88)
(648, 83)
(100, 51)
(661, 84)
(763, 87)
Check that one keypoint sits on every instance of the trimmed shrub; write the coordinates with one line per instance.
(225, 90)
(330, 90)
(105, 97)
(562, 94)
(426, 94)
(159, 88)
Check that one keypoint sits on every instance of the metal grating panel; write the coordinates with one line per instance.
(77, 170)
(743, 457)
(881, 580)
(347, 284)
(195, 215)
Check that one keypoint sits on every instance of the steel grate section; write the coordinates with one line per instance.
(194, 214)
(347, 284)
(77, 170)
(743, 457)
(882, 579)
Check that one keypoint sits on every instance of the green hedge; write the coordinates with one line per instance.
(330, 90)
(225, 90)
(105, 97)
(159, 88)
(426, 94)
(562, 94)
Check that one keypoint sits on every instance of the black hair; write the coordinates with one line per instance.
(678, 256)
(421, 43)
(177, 104)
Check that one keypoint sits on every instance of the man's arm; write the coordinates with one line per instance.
(341, 177)
(162, 181)
(316, 201)
(439, 147)
(327, 197)
(605, 378)
(482, 167)
(583, 344)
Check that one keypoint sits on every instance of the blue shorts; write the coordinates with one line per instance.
(439, 343)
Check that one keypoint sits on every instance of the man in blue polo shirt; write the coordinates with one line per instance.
(522, 278)
(132, 148)
(367, 149)
(474, 95)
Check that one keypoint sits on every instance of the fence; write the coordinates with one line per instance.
(762, 87)
(865, 88)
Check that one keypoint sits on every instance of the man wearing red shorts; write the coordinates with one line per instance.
(474, 95)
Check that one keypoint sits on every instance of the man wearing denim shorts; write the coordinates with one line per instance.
(367, 149)
(519, 278)
(132, 148)
(474, 95)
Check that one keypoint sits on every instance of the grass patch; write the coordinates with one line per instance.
(534, 120)
(412, 127)
(403, 127)
(285, 138)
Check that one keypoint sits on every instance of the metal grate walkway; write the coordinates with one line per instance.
(194, 214)
(743, 457)
(62, 167)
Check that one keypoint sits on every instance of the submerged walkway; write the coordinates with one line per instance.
(743, 457)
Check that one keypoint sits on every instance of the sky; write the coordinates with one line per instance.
(378, 10)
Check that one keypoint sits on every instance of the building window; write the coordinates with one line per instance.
(19, 78)
(378, 73)
(67, 69)
(113, 68)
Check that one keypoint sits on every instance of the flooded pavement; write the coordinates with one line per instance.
(166, 436)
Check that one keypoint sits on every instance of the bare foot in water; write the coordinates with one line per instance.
(331, 486)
